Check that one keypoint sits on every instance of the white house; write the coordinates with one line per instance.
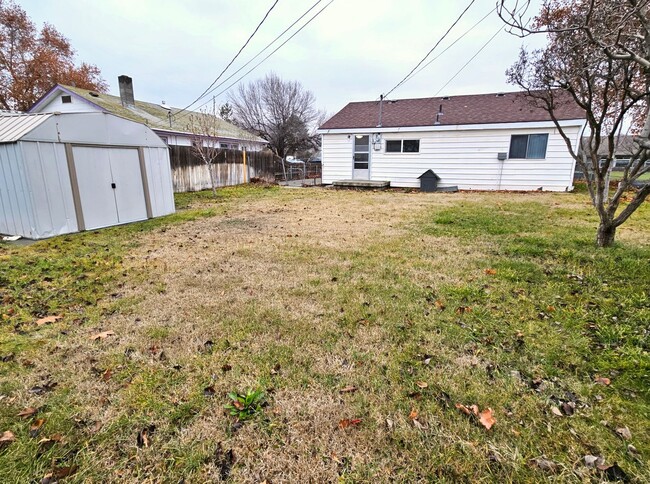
(476, 142)
(171, 124)
(63, 173)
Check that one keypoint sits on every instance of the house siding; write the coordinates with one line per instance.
(466, 158)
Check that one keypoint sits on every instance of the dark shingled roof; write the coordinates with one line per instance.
(511, 107)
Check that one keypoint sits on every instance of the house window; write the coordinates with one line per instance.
(403, 146)
(66, 99)
(361, 152)
(528, 146)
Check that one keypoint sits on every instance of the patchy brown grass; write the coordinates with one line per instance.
(301, 293)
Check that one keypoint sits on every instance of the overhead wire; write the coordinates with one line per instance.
(233, 59)
(264, 59)
(433, 48)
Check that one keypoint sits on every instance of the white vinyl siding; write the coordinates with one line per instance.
(466, 158)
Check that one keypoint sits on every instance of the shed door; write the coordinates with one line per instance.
(129, 193)
(94, 177)
(110, 185)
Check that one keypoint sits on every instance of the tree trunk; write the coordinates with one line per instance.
(606, 234)
(212, 182)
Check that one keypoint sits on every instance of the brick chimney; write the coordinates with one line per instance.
(126, 91)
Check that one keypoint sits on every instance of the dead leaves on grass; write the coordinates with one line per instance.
(28, 412)
(349, 422)
(348, 389)
(7, 438)
(35, 427)
(485, 417)
(144, 436)
(58, 473)
(47, 320)
(102, 335)
(602, 380)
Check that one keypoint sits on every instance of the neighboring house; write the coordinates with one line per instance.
(172, 127)
(476, 142)
(63, 173)
(624, 147)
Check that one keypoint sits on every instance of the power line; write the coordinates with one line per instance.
(265, 58)
(208, 91)
(432, 49)
(468, 62)
(450, 45)
(234, 58)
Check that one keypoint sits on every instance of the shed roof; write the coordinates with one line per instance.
(511, 107)
(155, 115)
(14, 126)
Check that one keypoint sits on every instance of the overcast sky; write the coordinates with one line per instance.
(353, 51)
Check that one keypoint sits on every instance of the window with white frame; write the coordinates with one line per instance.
(528, 146)
(403, 146)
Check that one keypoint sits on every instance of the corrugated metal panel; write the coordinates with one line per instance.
(14, 126)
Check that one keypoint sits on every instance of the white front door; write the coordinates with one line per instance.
(361, 157)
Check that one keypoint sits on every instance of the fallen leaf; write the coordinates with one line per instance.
(422, 384)
(544, 465)
(35, 428)
(568, 408)
(349, 422)
(224, 461)
(414, 414)
(550, 309)
(144, 436)
(463, 409)
(226, 368)
(614, 473)
(107, 374)
(593, 461)
(463, 309)
(632, 450)
(390, 424)
(102, 335)
(61, 472)
(276, 369)
(209, 391)
(601, 380)
(624, 432)
(238, 405)
(490, 272)
(348, 389)
(556, 411)
(418, 425)
(486, 418)
(28, 412)
(47, 320)
(6, 438)
(439, 305)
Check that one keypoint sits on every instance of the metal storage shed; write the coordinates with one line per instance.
(63, 173)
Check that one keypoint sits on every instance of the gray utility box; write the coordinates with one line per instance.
(429, 181)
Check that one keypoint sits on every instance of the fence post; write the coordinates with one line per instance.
(245, 167)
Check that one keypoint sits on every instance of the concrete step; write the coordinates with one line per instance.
(361, 184)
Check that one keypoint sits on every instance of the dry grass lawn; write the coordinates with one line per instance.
(415, 302)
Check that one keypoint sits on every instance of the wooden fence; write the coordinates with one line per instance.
(190, 173)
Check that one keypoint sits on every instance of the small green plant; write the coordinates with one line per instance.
(246, 406)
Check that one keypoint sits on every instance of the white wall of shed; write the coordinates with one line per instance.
(94, 128)
(159, 178)
(466, 158)
(16, 213)
(35, 191)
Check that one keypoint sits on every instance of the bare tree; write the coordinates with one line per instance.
(281, 112)
(598, 56)
(205, 126)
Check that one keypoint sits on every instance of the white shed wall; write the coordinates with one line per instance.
(159, 178)
(49, 184)
(466, 158)
(16, 209)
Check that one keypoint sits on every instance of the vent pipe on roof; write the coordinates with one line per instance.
(126, 91)
(381, 109)
(440, 113)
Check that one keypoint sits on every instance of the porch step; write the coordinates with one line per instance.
(361, 184)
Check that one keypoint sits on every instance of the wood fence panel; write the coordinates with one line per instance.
(190, 173)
